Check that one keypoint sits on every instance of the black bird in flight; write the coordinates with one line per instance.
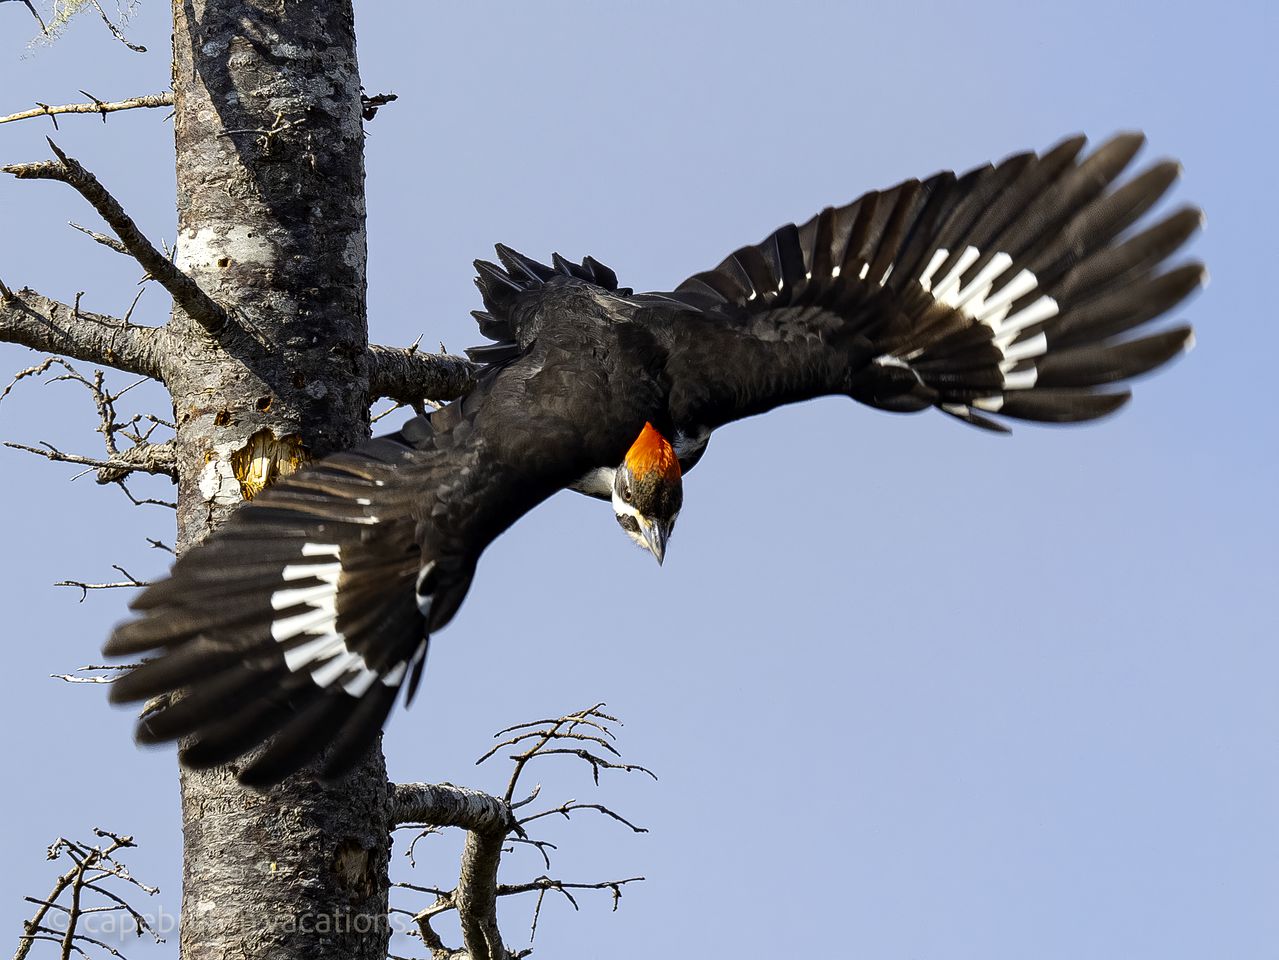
(1006, 293)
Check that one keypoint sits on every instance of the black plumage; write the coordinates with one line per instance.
(1008, 292)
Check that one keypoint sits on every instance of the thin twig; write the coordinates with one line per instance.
(130, 582)
(597, 763)
(102, 107)
(589, 737)
(565, 809)
(155, 459)
(184, 290)
(116, 32)
(152, 502)
(541, 846)
(90, 867)
(38, 370)
(109, 242)
(35, 13)
(145, 455)
(477, 891)
(110, 673)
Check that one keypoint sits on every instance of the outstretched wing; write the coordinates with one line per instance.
(301, 618)
(295, 625)
(1009, 290)
(296, 618)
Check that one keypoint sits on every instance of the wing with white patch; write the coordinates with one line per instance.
(297, 622)
(1009, 290)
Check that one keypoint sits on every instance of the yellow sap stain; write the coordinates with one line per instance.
(265, 458)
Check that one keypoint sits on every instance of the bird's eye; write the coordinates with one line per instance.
(626, 494)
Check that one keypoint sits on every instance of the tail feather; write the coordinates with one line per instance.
(297, 619)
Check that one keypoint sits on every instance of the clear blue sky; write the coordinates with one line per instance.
(959, 696)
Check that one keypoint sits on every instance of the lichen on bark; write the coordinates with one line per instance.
(271, 225)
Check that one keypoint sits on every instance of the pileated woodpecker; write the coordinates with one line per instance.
(1007, 292)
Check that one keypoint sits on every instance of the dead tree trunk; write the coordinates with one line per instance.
(270, 177)
(267, 360)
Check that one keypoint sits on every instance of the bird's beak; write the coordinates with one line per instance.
(655, 536)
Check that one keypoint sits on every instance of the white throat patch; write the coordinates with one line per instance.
(624, 509)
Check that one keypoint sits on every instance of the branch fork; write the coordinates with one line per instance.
(492, 823)
(184, 290)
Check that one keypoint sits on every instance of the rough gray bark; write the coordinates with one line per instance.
(487, 821)
(267, 361)
(37, 322)
(271, 226)
(406, 375)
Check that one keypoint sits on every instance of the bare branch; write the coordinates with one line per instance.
(91, 866)
(95, 672)
(448, 901)
(145, 456)
(598, 763)
(424, 831)
(511, 741)
(565, 809)
(433, 942)
(35, 13)
(185, 291)
(477, 892)
(445, 805)
(546, 883)
(116, 31)
(563, 728)
(541, 846)
(35, 321)
(86, 587)
(409, 376)
(156, 458)
(130, 582)
(102, 107)
(583, 717)
(476, 896)
(398, 405)
(110, 242)
(145, 501)
(434, 891)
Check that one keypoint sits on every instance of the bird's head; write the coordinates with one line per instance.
(648, 491)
